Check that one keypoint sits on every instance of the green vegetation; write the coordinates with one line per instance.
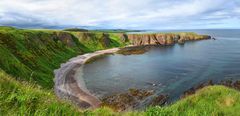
(76, 30)
(212, 100)
(23, 98)
(32, 55)
(27, 61)
(30, 99)
(101, 30)
(115, 30)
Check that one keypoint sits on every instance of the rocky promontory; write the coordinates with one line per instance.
(161, 38)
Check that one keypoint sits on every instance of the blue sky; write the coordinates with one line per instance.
(121, 14)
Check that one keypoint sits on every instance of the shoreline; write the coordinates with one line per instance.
(69, 85)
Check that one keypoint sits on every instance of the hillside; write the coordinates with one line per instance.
(28, 58)
(32, 55)
(23, 98)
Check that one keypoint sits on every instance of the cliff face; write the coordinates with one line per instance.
(103, 40)
(162, 39)
(34, 54)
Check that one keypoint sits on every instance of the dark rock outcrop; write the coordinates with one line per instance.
(133, 50)
(105, 40)
(231, 84)
(123, 37)
(193, 90)
(159, 100)
(128, 100)
(227, 83)
(64, 37)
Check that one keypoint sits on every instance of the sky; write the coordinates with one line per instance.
(121, 14)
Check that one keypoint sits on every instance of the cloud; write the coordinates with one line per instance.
(130, 14)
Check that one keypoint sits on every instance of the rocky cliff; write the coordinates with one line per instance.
(161, 38)
(103, 40)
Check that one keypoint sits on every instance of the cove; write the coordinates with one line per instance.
(167, 70)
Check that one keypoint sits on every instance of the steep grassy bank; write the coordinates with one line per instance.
(23, 98)
(32, 55)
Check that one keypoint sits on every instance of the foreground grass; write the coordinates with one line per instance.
(212, 100)
(23, 98)
(28, 99)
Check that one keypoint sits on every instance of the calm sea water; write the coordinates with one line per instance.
(173, 69)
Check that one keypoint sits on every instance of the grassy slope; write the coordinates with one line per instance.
(32, 55)
(29, 99)
(213, 100)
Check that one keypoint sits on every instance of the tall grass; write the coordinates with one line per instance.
(23, 98)
(209, 101)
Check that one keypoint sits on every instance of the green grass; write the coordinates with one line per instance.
(27, 61)
(212, 100)
(30, 99)
(32, 55)
(23, 98)
(26, 99)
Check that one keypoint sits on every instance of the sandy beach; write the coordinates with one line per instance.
(69, 83)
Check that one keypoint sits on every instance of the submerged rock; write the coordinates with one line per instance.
(133, 50)
(192, 90)
(159, 100)
(128, 100)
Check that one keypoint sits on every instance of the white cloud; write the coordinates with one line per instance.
(112, 13)
(237, 10)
